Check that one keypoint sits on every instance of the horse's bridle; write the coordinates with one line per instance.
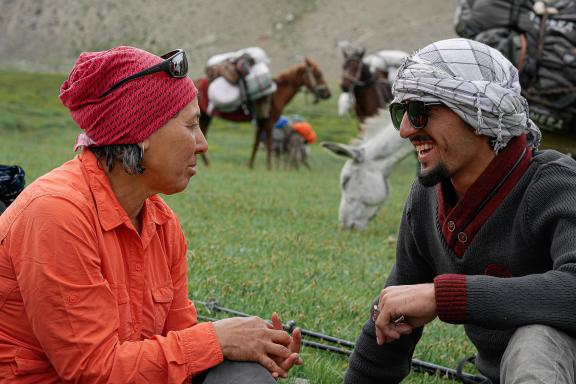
(316, 89)
(356, 79)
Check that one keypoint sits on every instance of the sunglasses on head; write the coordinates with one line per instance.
(418, 112)
(175, 65)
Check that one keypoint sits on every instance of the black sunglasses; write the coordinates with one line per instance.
(175, 65)
(418, 112)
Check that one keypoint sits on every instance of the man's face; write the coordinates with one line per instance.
(170, 154)
(447, 147)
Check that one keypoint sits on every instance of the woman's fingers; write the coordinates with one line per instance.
(272, 367)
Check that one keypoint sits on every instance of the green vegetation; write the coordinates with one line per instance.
(259, 241)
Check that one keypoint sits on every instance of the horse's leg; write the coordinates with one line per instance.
(258, 132)
(268, 130)
(204, 124)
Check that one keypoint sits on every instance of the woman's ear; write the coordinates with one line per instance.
(144, 144)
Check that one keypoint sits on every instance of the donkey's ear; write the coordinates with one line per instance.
(307, 61)
(362, 52)
(345, 53)
(344, 150)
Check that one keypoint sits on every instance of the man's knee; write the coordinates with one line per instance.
(539, 354)
(238, 372)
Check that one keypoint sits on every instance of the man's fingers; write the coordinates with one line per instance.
(403, 328)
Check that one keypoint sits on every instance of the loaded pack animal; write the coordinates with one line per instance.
(289, 82)
(364, 177)
(369, 79)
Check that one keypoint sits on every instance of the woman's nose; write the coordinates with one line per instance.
(201, 142)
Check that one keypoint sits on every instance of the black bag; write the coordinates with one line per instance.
(11, 183)
(542, 47)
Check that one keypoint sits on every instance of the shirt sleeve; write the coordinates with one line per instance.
(54, 248)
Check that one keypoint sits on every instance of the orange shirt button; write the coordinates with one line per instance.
(71, 299)
(138, 267)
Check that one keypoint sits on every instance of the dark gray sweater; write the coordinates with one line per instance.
(531, 234)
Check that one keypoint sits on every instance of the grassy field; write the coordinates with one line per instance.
(259, 241)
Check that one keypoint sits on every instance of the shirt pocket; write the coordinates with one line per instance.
(162, 298)
(124, 312)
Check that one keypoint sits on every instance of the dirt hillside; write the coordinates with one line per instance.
(47, 35)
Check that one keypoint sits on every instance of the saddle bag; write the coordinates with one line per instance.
(259, 82)
(223, 95)
(540, 42)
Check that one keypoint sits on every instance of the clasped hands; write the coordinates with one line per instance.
(403, 308)
(253, 339)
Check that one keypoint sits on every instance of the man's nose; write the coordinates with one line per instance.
(406, 128)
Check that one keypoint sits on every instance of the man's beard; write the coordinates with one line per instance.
(434, 176)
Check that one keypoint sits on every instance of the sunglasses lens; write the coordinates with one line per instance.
(418, 114)
(179, 65)
(397, 111)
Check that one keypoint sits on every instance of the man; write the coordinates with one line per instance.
(488, 235)
(93, 267)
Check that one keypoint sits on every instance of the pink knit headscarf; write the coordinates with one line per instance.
(132, 112)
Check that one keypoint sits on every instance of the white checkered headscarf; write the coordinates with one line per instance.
(474, 80)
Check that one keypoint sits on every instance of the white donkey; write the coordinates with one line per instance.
(364, 177)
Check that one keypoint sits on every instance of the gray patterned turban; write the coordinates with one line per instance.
(474, 80)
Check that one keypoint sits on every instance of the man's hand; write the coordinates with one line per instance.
(403, 308)
(294, 347)
(253, 339)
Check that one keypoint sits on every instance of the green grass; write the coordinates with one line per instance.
(259, 241)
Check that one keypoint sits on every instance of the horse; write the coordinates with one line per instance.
(364, 177)
(289, 82)
(368, 80)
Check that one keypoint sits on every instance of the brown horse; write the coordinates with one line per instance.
(288, 84)
(370, 92)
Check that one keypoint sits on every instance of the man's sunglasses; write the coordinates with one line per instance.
(175, 64)
(418, 112)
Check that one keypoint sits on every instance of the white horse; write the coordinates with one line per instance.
(364, 177)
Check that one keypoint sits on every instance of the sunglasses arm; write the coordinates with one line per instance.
(156, 68)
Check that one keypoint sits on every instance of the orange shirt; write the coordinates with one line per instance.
(85, 298)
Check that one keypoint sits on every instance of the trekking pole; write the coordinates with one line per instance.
(417, 365)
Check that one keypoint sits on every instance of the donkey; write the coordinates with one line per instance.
(364, 177)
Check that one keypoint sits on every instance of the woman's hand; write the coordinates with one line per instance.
(253, 339)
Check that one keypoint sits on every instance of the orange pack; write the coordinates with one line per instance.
(305, 130)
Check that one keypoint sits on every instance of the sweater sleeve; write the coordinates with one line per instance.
(546, 294)
(390, 363)
(68, 301)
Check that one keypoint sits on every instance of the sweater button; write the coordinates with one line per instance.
(451, 226)
(462, 237)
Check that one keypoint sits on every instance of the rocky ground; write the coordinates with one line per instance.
(47, 35)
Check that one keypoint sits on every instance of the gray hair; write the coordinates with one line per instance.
(129, 154)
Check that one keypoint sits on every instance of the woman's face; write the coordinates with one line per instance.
(170, 153)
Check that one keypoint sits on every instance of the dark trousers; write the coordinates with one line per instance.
(235, 372)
